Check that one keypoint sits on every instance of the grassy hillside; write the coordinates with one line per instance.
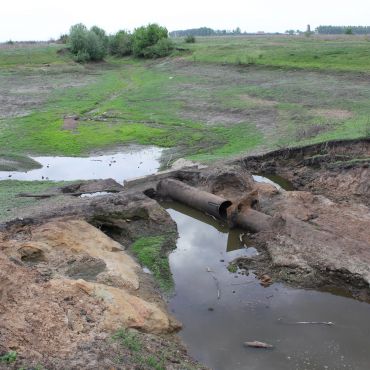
(340, 53)
(228, 96)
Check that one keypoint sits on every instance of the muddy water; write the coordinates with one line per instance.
(133, 162)
(220, 310)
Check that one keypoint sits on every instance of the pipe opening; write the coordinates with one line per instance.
(222, 210)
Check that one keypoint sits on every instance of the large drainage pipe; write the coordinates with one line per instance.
(198, 199)
(214, 205)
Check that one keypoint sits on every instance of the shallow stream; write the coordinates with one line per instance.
(221, 310)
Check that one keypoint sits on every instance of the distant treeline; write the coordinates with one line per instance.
(340, 30)
(204, 31)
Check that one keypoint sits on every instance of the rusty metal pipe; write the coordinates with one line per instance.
(253, 220)
(198, 199)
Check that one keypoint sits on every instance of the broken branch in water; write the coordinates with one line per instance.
(257, 344)
(329, 323)
(217, 283)
(315, 322)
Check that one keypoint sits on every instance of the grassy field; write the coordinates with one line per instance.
(224, 97)
(340, 53)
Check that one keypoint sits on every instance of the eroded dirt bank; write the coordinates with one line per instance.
(338, 169)
(66, 287)
(71, 297)
(318, 238)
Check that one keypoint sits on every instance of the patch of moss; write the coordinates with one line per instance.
(232, 268)
(152, 252)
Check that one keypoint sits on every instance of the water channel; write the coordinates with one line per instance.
(221, 310)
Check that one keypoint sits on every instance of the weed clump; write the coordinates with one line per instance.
(128, 339)
(9, 357)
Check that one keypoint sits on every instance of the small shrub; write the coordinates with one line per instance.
(9, 357)
(190, 39)
(128, 339)
(161, 49)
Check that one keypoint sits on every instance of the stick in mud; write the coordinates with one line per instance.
(329, 323)
(257, 344)
(315, 322)
(217, 283)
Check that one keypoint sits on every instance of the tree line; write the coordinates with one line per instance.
(94, 44)
(204, 31)
(342, 30)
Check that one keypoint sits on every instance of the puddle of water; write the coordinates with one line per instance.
(215, 329)
(120, 166)
(276, 180)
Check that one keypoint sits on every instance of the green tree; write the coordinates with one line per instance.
(120, 44)
(146, 37)
(77, 38)
(86, 44)
(101, 35)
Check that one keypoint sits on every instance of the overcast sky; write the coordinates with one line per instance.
(44, 19)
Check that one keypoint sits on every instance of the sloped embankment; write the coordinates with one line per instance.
(67, 289)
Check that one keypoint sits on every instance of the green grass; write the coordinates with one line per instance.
(128, 339)
(152, 253)
(171, 105)
(9, 189)
(9, 357)
(344, 53)
(31, 55)
(140, 357)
